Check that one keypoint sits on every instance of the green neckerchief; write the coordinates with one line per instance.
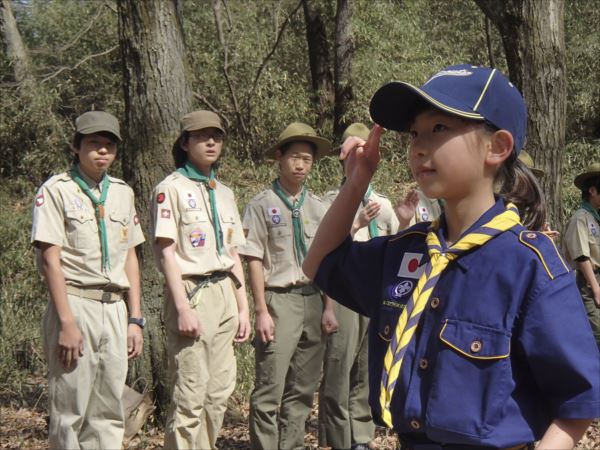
(589, 208)
(373, 231)
(299, 242)
(190, 171)
(99, 209)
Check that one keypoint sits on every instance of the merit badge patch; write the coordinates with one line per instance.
(410, 266)
(401, 289)
(160, 197)
(78, 203)
(229, 235)
(165, 213)
(593, 229)
(39, 200)
(124, 234)
(197, 238)
(192, 202)
(276, 219)
(136, 220)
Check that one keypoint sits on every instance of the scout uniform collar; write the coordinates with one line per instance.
(408, 321)
(299, 241)
(98, 208)
(589, 208)
(190, 171)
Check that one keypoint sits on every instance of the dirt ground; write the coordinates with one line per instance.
(23, 425)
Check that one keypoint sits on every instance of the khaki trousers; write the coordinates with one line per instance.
(287, 371)
(344, 412)
(593, 312)
(202, 371)
(84, 403)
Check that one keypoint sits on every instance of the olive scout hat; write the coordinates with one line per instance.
(97, 121)
(297, 131)
(198, 120)
(355, 129)
(528, 161)
(590, 172)
(472, 92)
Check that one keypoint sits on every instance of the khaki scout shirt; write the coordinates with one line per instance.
(270, 235)
(582, 238)
(64, 215)
(387, 221)
(427, 210)
(181, 212)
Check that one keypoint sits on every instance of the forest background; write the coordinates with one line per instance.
(259, 65)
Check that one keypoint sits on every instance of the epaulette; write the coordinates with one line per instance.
(545, 249)
(421, 228)
(116, 180)
(64, 176)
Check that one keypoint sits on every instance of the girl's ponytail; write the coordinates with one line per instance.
(519, 186)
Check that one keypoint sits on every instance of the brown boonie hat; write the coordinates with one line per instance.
(528, 161)
(298, 131)
(355, 129)
(592, 170)
(198, 120)
(96, 121)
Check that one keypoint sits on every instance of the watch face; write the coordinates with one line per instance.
(141, 322)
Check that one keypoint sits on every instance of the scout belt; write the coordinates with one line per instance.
(100, 295)
(204, 280)
(306, 289)
(425, 444)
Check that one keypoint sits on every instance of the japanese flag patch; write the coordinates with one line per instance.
(273, 211)
(411, 267)
(39, 200)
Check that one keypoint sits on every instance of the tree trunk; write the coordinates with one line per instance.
(344, 52)
(15, 49)
(157, 93)
(317, 19)
(533, 37)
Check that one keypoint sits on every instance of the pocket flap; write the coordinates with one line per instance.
(117, 216)
(79, 215)
(193, 216)
(226, 217)
(475, 341)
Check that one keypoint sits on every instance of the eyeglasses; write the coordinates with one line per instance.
(206, 135)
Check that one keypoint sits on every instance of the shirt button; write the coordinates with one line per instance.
(435, 302)
(423, 364)
(415, 424)
(476, 346)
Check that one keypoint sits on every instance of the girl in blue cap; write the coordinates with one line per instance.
(478, 336)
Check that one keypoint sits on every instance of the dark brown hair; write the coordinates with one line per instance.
(179, 154)
(587, 185)
(78, 137)
(285, 147)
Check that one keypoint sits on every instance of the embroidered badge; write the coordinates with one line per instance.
(160, 197)
(229, 235)
(246, 231)
(124, 234)
(424, 217)
(273, 211)
(39, 200)
(197, 238)
(165, 213)
(276, 219)
(78, 203)
(192, 202)
(136, 220)
(531, 235)
(409, 267)
(401, 289)
(593, 229)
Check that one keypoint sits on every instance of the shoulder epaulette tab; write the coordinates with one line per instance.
(115, 180)
(64, 176)
(545, 249)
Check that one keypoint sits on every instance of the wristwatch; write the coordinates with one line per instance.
(140, 322)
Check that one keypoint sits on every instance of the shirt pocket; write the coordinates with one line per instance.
(281, 243)
(310, 229)
(119, 228)
(387, 325)
(81, 229)
(472, 369)
(227, 226)
(196, 230)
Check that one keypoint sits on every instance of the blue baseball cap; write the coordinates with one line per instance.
(472, 92)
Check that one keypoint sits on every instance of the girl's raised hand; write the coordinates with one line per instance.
(361, 158)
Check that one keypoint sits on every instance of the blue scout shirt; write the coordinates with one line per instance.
(503, 347)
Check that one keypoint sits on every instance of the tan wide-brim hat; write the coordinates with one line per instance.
(97, 121)
(528, 161)
(591, 171)
(356, 129)
(198, 120)
(298, 131)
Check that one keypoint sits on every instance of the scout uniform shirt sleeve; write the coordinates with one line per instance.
(351, 274)
(164, 208)
(560, 349)
(255, 230)
(48, 217)
(135, 229)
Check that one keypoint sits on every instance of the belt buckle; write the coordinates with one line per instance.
(106, 297)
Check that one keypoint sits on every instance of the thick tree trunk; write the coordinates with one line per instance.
(533, 38)
(344, 52)
(317, 19)
(157, 93)
(15, 49)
